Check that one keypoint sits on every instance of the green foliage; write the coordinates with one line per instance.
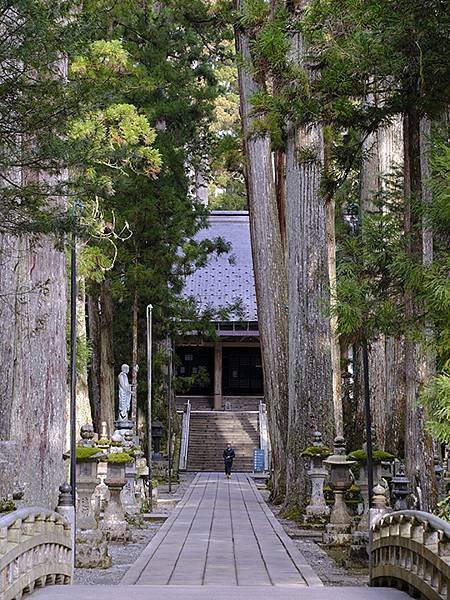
(201, 379)
(443, 509)
(255, 13)
(436, 400)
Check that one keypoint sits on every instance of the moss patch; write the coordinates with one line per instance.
(321, 451)
(293, 514)
(377, 455)
(7, 506)
(86, 453)
(119, 458)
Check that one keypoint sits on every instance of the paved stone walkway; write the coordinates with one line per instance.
(222, 533)
(221, 543)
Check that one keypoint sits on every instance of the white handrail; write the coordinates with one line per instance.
(35, 550)
(264, 441)
(185, 436)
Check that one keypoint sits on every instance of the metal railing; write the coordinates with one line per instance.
(35, 550)
(185, 437)
(410, 550)
(264, 441)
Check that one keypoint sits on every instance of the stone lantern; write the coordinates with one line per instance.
(91, 546)
(157, 434)
(400, 489)
(338, 530)
(317, 506)
(114, 523)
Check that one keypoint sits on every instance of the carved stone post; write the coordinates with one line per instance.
(401, 489)
(141, 489)
(114, 522)
(128, 496)
(101, 492)
(338, 530)
(317, 506)
(91, 546)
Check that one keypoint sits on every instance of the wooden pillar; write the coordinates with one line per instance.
(218, 376)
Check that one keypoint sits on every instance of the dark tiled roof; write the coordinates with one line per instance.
(229, 277)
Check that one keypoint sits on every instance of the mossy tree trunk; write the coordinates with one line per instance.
(268, 260)
(381, 156)
(418, 361)
(101, 376)
(310, 364)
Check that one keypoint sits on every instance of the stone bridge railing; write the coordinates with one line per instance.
(35, 550)
(410, 550)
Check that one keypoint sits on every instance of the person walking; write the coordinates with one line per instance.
(228, 456)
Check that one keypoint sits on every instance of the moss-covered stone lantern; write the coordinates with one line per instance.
(338, 530)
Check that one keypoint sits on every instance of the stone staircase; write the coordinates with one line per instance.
(210, 432)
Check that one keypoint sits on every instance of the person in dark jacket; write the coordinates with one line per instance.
(228, 455)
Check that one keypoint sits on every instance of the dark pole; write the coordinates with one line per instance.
(169, 436)
(73, 362)
(149, 400)
(368, 419)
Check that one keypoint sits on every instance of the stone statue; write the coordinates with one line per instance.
(124, 393)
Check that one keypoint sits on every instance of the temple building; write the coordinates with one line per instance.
(232, 362)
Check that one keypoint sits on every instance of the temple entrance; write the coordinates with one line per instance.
(197, 364)
(242, 371)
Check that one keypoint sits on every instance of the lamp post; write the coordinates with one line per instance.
(149, 399)
(169, 436)
(73, 362)
(353, 220)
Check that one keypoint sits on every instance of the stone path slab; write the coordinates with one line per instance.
(144, 592)
(220, 543)
(222, 534)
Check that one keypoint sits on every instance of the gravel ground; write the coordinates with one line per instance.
(332, 572)
(124, 555)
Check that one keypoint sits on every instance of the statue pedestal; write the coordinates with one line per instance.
(114, 522)
(125, 425)
(91, 546)
(317, 508)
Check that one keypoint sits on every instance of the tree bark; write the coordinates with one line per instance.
(94, 367)
(310, 365)
(269, 264)
(134, 372)
(419, 363)
(107, 398)
(33, 360)
(101, 375)
(382, 153)
(84, 413)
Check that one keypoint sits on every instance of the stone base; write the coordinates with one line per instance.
(360, 546)
(122, 426)
(92, 550)
(316, 512)
(337, 535)
(117, 531)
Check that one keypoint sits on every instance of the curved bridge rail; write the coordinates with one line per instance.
(35, 550)
(411, 551)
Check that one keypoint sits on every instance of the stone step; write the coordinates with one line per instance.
(218, 592)
(210, 432)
